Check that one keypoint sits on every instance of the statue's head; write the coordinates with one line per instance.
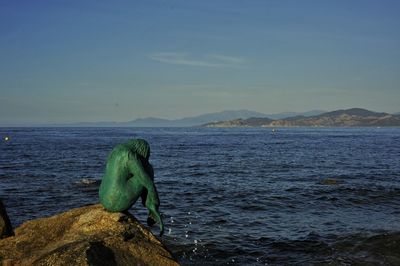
(140, 146)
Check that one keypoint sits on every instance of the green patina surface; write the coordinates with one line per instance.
(128, 176)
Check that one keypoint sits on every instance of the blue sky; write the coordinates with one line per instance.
(70, 61)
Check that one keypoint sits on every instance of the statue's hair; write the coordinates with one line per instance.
(140, 146)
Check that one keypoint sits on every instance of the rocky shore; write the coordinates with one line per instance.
(84, 236)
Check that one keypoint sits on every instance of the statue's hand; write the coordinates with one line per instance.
(154, 214)
(154, 217)
(161, 227)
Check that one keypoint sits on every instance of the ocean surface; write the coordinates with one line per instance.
(239, 196)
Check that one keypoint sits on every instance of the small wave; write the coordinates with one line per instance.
(88, 181)
(252, 207)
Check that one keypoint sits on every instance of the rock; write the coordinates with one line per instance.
(330, 181)
(5, 224)
(84, 236)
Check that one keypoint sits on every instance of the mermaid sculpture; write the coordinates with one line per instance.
(128, 176)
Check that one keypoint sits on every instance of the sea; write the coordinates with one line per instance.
(229, 196)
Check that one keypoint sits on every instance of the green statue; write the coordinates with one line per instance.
(128, 176)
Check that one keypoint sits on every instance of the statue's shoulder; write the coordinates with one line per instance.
(120, 150)
(122, 147)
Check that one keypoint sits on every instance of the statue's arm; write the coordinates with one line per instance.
(139, 172)
(152, 201)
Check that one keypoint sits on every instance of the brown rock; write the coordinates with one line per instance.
(330, 181)
(5, 224)
(84, 236)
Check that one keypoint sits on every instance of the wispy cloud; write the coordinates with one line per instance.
(209, 60)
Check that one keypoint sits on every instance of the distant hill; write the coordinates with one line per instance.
(354, 112)
(250, 122)
(292, 114)
(338, 118)
(220, 116)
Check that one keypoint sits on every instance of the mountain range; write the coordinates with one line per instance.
(190, 121)
(340, 118)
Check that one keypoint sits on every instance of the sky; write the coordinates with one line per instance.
(75, 61)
